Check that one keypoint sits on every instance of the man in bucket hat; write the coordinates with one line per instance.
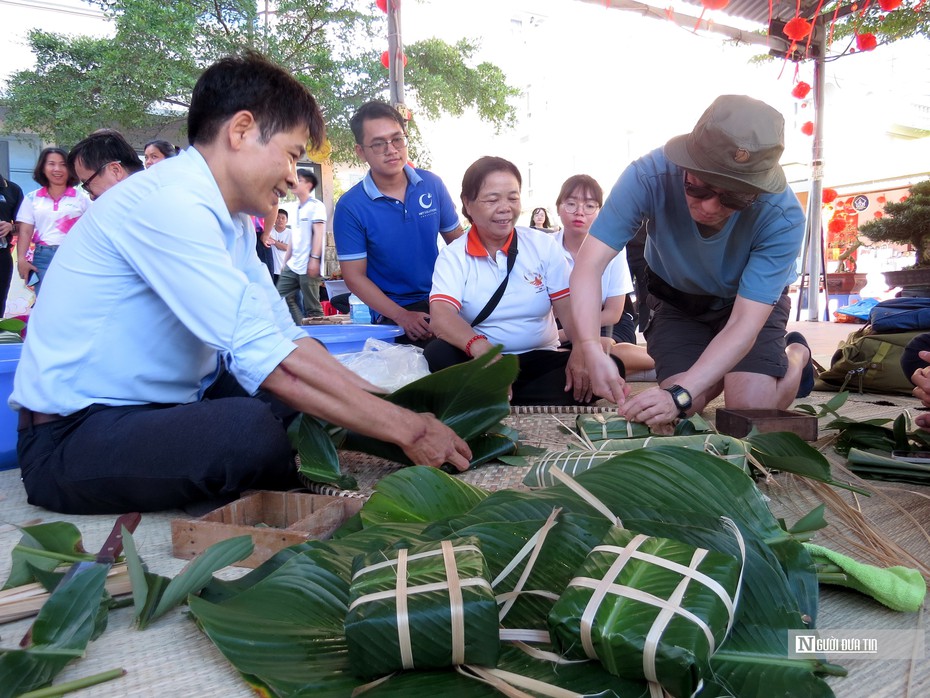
(724, 231)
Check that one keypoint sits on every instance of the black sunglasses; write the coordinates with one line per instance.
(731, 200)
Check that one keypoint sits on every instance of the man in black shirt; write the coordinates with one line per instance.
(11, 196)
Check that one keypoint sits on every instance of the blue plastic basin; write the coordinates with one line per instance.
(345, 339)
(9, 360)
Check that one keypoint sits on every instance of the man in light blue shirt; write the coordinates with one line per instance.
(157, 292)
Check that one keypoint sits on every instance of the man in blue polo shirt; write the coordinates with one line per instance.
(386, 226)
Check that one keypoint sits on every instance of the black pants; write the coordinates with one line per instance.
(910, 359)
(6, 275)
(108, 460)
(541, 380)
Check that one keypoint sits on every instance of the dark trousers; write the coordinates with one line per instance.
(108, 460)
(540, 381)
(910, 359)
(6, 275)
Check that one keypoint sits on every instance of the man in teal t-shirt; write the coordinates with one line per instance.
(724, 231)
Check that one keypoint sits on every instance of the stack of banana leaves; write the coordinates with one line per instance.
(293, 626)
(884, 449)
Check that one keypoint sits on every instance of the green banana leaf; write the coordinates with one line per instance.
(44, 547)
(154, 595)
(419, 494)
(73, 616)
(789, 453)
(664, 491)
(319, 461)
(470, 398)
(879, 466)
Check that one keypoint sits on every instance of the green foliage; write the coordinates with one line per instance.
(901, 23)
(142, 77)
(154, 595)
(905, 222)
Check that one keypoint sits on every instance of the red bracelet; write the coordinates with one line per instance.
(472, 341)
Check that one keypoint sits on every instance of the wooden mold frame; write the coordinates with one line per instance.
(275, 520)
(738, 423)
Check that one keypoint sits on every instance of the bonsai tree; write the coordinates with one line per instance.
(905, 222)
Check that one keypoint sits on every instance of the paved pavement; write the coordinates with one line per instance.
(823, 337)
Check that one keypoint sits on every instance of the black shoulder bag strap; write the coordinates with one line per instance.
(499, 293)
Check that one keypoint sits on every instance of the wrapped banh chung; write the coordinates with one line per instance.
(429, 606)
(648, 608)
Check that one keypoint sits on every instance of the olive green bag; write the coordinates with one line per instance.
(865, 362)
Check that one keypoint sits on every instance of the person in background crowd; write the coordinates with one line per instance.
(579, 201)
(164, 368)
(11, 196)
(386, 226)
(156, 151)
(279, 241)
(539, 220)
(301, 271)
(101, 161)
(725, 232)
(530, 268)
(47, 214)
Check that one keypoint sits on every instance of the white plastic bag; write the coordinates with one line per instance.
(389, 366)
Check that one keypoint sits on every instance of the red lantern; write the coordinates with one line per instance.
(717, 4)
(807, 128)
(866, 42)
(382, 5)
(386, 59)
(829, 196)
(801, 90)
(837, 225)
(881, 199)
(879, 214)
(797, 28)
(889, 5)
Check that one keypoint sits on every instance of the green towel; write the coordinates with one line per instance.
(899, 588)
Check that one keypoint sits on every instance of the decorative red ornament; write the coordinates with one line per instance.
(837, 225)
(879, 214)
(881, 199)
(866, 42)
(807, 128)
(386, 59)
(716, 4)
(797, 28)
(382, 5)
(889, 5)
(801, 90)
(829, 195)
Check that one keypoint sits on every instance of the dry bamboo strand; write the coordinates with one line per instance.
(27, 599)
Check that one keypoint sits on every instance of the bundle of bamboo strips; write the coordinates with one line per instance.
(26, 600)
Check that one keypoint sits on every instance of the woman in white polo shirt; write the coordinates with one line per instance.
(48, 213)
(471, 269)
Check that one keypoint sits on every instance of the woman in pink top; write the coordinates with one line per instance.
(48, 213)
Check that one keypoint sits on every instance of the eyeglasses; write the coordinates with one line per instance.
(732, 200)
(381, 147)
(588, 207)
(86, 182)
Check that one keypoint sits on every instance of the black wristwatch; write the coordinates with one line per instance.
(681, 397)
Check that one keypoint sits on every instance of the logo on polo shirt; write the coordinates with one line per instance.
(426, 200)
(535, 280)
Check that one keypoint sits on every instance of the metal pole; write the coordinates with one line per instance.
(395, 57)
(815, 208)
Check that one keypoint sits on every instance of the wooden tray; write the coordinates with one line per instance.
(275, 520)
(738, 423)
